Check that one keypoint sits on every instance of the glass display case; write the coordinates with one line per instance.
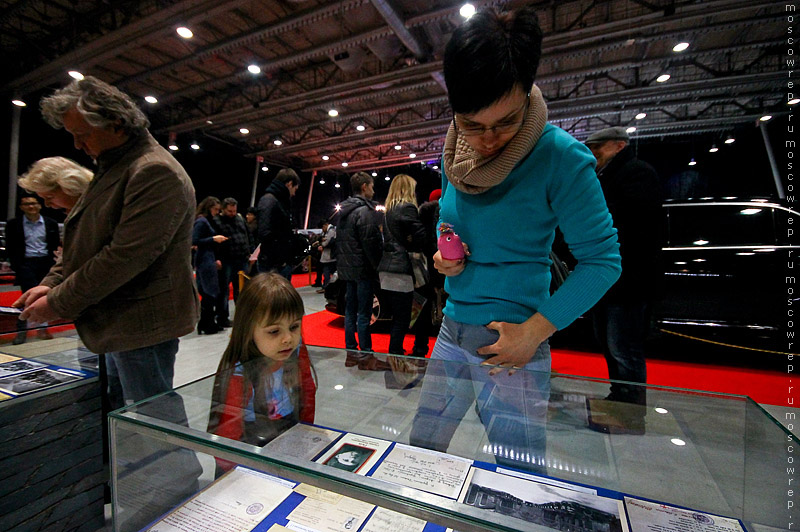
(51, 445)
(439, 445)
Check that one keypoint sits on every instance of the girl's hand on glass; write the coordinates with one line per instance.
(450, 268)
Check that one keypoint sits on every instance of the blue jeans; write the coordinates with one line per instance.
(358, 314)
(621, 329)
(512, 408)
(140, 373)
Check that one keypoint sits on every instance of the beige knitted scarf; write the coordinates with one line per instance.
(469, 172)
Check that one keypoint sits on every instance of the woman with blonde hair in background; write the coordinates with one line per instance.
(402, 232)
(59, 181)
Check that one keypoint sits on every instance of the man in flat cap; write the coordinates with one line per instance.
(621, 318)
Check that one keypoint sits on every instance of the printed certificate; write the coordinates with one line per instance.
(431, 471)
(654, 517)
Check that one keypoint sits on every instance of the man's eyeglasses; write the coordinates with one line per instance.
(510, 125)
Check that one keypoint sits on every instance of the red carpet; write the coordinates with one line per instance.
(8, 322)
(763, 386)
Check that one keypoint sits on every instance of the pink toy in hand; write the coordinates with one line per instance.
(449, 244)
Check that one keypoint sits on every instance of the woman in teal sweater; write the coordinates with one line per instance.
(509, 179)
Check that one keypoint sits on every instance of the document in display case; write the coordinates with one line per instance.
(511, 453)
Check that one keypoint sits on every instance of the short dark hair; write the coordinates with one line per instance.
(287, 175)
(490, 54)
(359, 179)
(229, 201)
(252, 210)
(25, 195)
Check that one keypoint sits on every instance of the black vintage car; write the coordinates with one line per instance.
(726, 269)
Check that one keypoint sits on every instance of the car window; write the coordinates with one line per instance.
(720, 225)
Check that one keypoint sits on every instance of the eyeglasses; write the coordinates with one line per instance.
(510, 125)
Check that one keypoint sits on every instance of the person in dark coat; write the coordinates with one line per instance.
(233, 255)
(31, 242)
(432, 312)
(206, 263)
(275, 224)
(403, 232)
(621, 318)
(359, 246)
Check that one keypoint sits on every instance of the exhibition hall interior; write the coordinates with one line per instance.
(392, 265)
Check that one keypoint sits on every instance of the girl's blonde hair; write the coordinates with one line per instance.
(267, 298)
(402, 190)
(51, 173)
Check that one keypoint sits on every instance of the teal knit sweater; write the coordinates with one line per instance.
(510, 229)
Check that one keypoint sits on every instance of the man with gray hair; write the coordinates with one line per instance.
(622, 317)
(125, 276)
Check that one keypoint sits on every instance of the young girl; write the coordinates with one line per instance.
(264, 383)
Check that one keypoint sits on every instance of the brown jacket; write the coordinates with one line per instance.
(125, 276)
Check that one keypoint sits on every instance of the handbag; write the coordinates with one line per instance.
(419, 268)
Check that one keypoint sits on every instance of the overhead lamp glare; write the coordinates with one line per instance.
(387, 178)
(185, 32)
(730, 140)
(195, 146)
(337, 185)
(333, 113)
(640, 116)
(75, 75)
(398, 147)
(277, 142)
(713, 149)
(681, 46)
(254, 69)
(692, 162)
(374, 174)
(344, 164)
(467, 10)
(630, 129)
(360, 127)
(662, 78)
(151, 99)
(412, 155)
(244, 131)
(19, 103)
(325, 157)
(173, 147)
(265, 168)
(793, 101)
(765, 118)
(322, 181)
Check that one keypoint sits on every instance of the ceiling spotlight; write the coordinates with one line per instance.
(209, 122)
(344, 164)
(435, 166)
(75, 74)
(333, 113)
(19, 103)
(467, 10)
(374, 174)
(640, 116)
(793, 101)
(325, 157)
(321, 180)
(692, 162)
(398, 147)
(337, 185)
(387, 178)
(681, 46)
(713, 149)
(630, 129)
(766, 118)
(264, 168)
(662, 78)
(151, 99)
(254, 69)
(173, 147)
(700, 242)
(185, 32)
(195, 146)
(360, 127)
(244, 131)
(277, 142)
(412, 155)
(730, 140)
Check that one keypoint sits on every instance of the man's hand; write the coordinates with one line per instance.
(450, 268)
(39, 312)
(30, 296)
(517, 343)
